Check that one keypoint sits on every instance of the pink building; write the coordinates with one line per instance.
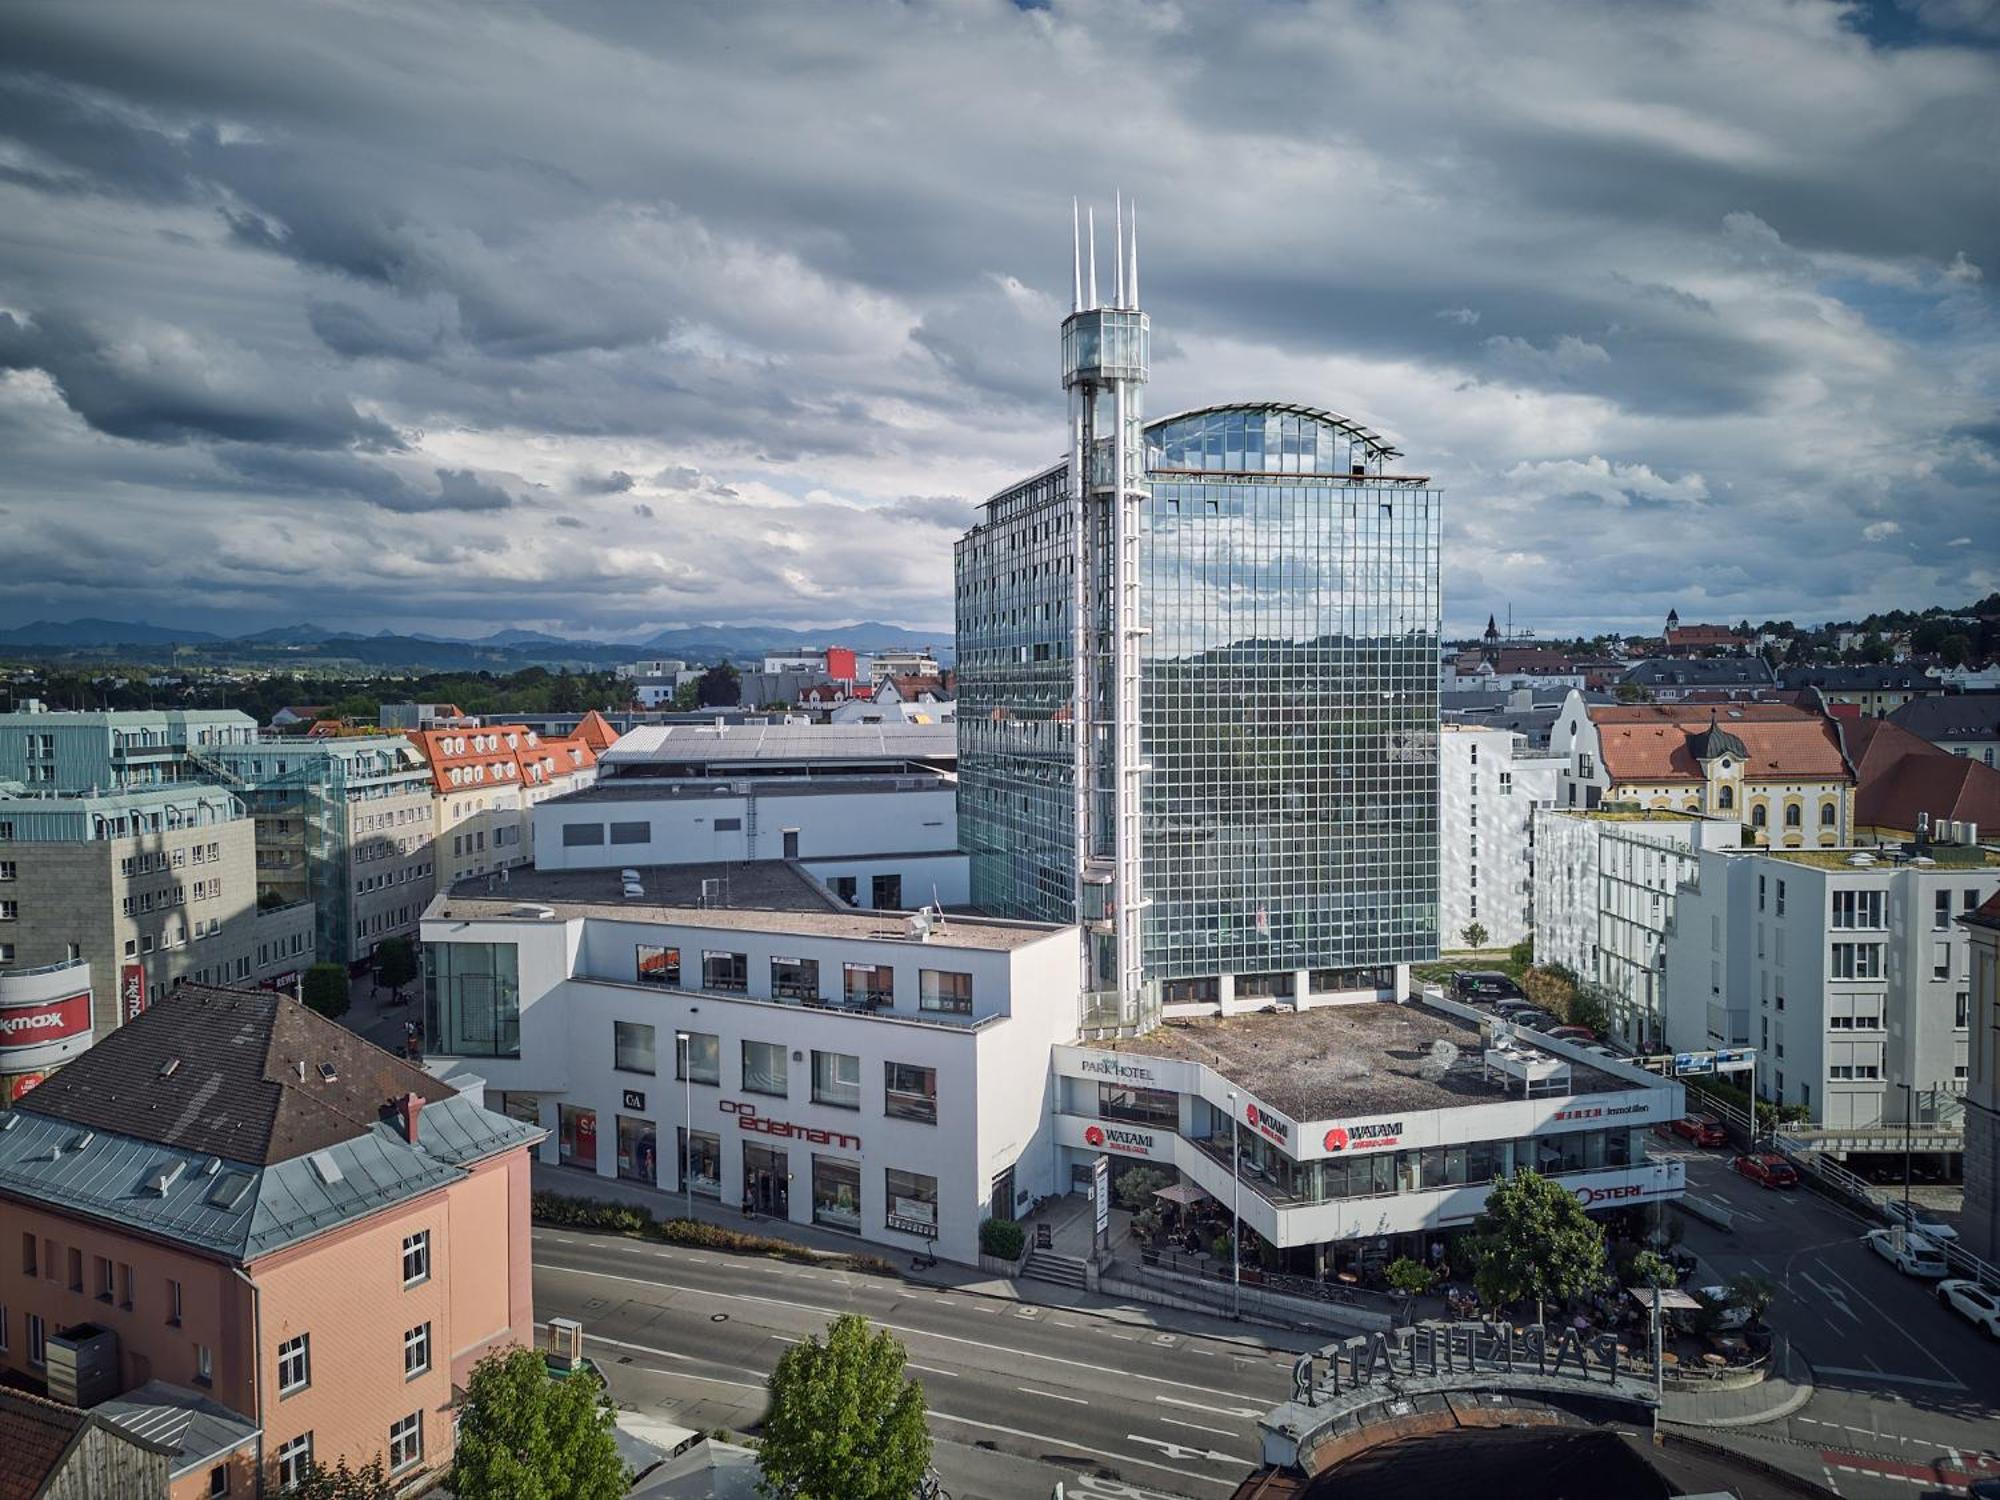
(234, 1199)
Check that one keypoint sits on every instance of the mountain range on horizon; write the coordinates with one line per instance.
(90, 631)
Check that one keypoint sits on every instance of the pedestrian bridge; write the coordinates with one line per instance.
(1359, 1392)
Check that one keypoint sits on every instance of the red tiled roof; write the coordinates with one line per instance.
(1987, 914)
(1650, 742)
(1900, 774)
(529, 760)
(1702, 635)
(595, 731)
(35, 1433)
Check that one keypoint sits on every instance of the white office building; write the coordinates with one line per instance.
(1848, 970)
(886, 1077)
(1606, 885)
(1489, 785)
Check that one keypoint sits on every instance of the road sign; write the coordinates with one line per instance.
(1687, 1063)
(1735, 1059)
(1100, 1182)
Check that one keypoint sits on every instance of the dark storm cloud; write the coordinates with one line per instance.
(1699, 297)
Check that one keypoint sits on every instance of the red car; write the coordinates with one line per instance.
(1703, 1130)
(1771, 1171)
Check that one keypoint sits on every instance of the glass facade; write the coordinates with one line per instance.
(1288, 591)
(472, 999)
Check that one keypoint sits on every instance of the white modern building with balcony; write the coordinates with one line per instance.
(741, 1034)
(1490, 782)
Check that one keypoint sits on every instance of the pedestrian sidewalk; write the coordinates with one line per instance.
(945, 1275)
(1788, 1387)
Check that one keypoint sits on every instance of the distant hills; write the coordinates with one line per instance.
(306, 648)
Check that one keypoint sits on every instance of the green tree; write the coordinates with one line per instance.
(1410, 1277)
(565, 694)
(1135, 1189)
(326, 990)
(1535, 1240)
(524, 1435)
(1955, 649)
(719, 687)
(369, 1482)
(1649, 1268)
(844, 1423)
(1474, 934)
(1521, 957)
(395, 962)
(687, 697)
(1752, 1293)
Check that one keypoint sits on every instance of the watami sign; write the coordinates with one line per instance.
(1371, 1137)
(45, 1021)
(1121, 1138)
(1270, 1126)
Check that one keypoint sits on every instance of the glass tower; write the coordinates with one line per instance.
(1197, 671)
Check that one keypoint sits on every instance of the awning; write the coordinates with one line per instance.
(1672, 1299)
(1183, 1193)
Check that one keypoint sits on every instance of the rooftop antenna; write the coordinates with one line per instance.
(1075, 257)
(1132, 275)
(1118, 249)
(1090, 222)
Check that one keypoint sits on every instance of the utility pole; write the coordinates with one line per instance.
(1909, 1106)
(684, 1042)
(1235, 1217)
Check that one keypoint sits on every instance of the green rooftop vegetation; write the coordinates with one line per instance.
(1943, 857)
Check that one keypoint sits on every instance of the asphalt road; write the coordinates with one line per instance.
(1020, 1397)
(1907, 1394)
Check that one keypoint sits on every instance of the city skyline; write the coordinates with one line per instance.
(386, 350)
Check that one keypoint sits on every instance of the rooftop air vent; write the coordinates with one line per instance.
(328, 1073)
(165, 1176)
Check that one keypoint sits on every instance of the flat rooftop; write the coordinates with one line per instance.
(676, 744)
(765, 895)
(661, 788)
(1341, 1060)
(1941, 857)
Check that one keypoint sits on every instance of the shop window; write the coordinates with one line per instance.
(638, 1151)
(836, 1193)
(700, 1162)
(576, 1137)
(911, 1206)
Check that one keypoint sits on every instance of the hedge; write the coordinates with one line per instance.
(1003, 1239)
(560, 1211)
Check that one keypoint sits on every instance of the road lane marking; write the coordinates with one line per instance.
(1936, 1385)
(1096, 1371)
(1220, 1411)
(1833, 1295)
(1180, 1450)
(1028, 1390)
(929, 1369)
(1916, 1342)
(1197, 1427)
(1068, 1446)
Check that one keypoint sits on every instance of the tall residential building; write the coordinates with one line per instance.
(1848, 970)
(99, 751)
(1606, 884)
(1489, 785)
(235, 1206)
(1980, 1223)
(146, 887)
(1197, 673)
(343, 822)
(487, 780)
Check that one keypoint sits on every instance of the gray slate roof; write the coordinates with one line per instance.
(1861, 679)
(237, 1209)
(193, 1429)
(1719, 671)
(1955, 716)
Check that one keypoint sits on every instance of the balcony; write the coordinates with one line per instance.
(940, 1020)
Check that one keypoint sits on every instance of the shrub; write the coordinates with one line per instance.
(1135, 1188)
(1003, 1239)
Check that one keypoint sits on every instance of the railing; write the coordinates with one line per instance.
(54, 968)
(1307, 1288)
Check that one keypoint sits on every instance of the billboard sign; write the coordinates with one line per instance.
(44, 1021)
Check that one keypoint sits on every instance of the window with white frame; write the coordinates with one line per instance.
(1857, 961)
(406, 1442)
(294, 1461)
(416, 1351)
(416, 1257)
(295, 1364)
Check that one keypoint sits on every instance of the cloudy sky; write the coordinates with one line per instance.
(607, 317)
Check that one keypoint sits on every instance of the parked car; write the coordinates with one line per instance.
(1772, 1171)
(1603, 1051)
(1916, 1216)
(1534, 1020)
(1574, 1033)
(1703, 1130)
(1512, 1007)
(1909, 1253)
(1972, 1301)
(1484, 986)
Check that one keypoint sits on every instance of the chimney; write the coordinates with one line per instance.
(408, 1108)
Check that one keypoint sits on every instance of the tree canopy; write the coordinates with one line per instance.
(844, 1423)
(524, 1435)
(1535, 1240)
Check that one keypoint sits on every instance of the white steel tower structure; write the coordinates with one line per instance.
(1105, 352)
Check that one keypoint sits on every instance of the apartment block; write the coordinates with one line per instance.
(1490, 784)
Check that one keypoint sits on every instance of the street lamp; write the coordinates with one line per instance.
(1235, 1217)
(684, 1043)
(1909, 1106)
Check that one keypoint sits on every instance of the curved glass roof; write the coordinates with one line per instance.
(1266, 433)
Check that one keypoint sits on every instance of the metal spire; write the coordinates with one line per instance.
(1118, 250)
(1075, 258)
(1090, 221)
(1132, 275)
